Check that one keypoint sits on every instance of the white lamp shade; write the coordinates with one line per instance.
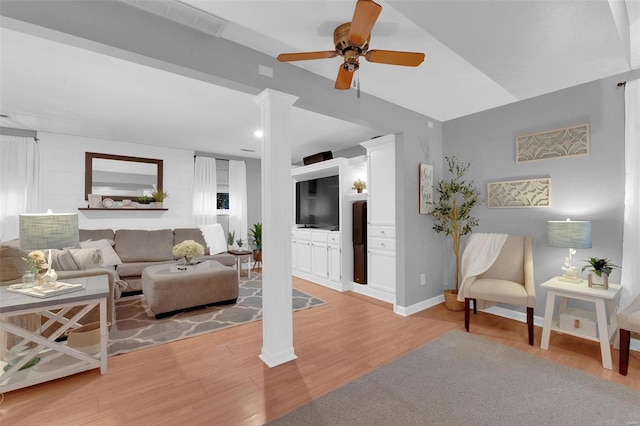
(574, 234)
(48, 231)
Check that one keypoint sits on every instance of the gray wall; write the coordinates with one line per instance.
(582, 188)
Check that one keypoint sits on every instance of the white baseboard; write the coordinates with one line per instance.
(421, 306)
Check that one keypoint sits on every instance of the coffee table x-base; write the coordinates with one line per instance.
(604, 299)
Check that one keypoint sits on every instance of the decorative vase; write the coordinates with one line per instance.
(596, 280)
(257, 255)
(451, 301)
(29, 279)
(159, 205)
(359, 190)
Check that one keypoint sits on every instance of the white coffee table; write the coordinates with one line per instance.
(604, 299)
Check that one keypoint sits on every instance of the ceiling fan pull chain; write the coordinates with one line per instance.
(358, 85)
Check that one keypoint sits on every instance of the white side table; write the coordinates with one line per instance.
(242, 256)
(602, 298)
(56, 358)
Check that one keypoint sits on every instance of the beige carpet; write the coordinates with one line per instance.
(463, 379)
(136, 328)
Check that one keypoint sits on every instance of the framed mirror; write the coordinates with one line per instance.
(120, 177)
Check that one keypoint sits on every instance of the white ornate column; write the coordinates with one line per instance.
(277, 316)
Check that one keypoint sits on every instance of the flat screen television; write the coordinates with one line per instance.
(318, 203)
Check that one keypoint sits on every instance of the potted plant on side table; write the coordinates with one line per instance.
(452, 216)
(255, 235)
(600, 269)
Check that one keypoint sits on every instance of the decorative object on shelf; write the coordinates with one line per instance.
(566, 142)
(159, 197)
(126, 204)
(240, 243)
(255, 237)
(452, 216)
(359, 185)
(95, 201)
(600, 271)
(188, 249)
(425, 190)
(573, 235)
(108, 203)
(519, 193)
(144, 201)
(231, 237)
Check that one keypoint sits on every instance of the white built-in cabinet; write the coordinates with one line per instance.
(317, 256)
(326, 257)
(381, 229)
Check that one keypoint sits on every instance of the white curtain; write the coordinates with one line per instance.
(19, 182)
(631, 234)
(205, 191)
(238, 199)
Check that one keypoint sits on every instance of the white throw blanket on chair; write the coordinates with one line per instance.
(481, 251)
(214, 237)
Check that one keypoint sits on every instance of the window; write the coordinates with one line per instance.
(222, 178)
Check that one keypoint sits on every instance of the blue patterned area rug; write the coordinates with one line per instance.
(136, 327)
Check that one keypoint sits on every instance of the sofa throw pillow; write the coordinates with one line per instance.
(11, 264)
(87, 258)
(109, 255)
(62, 260)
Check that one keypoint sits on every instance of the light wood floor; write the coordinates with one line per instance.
(219, 379)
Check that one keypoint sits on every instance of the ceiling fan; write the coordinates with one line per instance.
(352, 41)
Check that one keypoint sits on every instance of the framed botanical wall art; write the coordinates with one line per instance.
(425, 188)
(519, 193)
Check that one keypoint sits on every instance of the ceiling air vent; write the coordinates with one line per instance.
(183, 14)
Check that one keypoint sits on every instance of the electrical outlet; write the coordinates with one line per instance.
(423, 279)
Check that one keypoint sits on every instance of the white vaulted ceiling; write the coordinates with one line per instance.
(479, 55)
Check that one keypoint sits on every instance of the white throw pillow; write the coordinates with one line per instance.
(109, 255)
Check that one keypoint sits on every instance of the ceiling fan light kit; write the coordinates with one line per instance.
(351, 41)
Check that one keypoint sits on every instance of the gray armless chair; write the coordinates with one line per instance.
(509, 280)
(628, 322)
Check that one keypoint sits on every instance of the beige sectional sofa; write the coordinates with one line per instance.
(136, 249)
(123, 255)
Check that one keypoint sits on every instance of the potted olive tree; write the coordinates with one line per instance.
(452, 216)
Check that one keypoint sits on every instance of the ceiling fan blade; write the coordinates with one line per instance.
(305, 56)
(364, 18)
(343, 81)
(392, 57)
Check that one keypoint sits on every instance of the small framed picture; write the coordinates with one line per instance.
(425, 189)
(95, 201)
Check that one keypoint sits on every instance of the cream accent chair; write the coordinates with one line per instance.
(628, 322)
(509, 280)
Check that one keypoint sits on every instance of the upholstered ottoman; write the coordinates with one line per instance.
(210, 282)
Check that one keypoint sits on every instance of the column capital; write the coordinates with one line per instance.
(269, 95)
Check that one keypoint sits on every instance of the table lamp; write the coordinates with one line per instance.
(572, 235)
(40, 231)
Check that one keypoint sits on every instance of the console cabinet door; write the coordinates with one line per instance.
(294, 252)
(320, 260)
(382, 270)
(335, 264)
(304, 252)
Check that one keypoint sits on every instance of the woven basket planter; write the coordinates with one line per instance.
(451, 301)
